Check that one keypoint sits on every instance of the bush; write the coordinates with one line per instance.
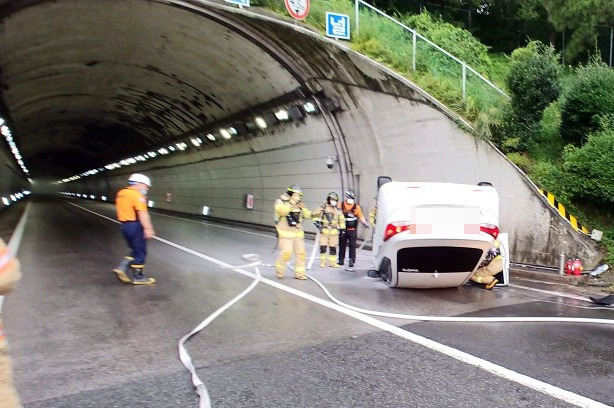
(523, 162)
(533, 81)
(589, 95)
(589, 170)
(548, 142)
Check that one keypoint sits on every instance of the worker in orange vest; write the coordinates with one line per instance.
(9, 276)
(353, 213)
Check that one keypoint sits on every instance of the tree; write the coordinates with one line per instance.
(589, 96)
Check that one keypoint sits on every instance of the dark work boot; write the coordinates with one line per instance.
(121, 269)
(350, 266)
(139, 279)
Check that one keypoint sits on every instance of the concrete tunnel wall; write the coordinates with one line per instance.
(385, 125)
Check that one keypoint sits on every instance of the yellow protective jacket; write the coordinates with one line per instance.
(331, 219)
(283, 207)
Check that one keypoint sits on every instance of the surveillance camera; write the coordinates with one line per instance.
(330, 162)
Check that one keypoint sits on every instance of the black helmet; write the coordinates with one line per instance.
(294, 189)
(350, 194)
(332, 196)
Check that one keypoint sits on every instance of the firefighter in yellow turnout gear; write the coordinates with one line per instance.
(289, 214)
(329, 219)
(490, 266)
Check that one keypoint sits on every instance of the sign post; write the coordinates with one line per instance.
(299, 9)
(240, 3)
(337, 26)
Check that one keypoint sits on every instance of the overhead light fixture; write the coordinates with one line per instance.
(5, 201)
(104, 198)
(150, 203)
(211, 137)
(282, 115)
(225, 133)
(233, 131)
(260, 122)
(196, 141)
(310, 108)
(171, 148)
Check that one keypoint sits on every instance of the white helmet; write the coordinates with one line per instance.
(140, 178)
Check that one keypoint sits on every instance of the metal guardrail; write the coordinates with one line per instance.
(415, 37)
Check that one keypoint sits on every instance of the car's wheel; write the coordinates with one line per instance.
(385, 270)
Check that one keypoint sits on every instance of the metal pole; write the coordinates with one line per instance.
(611, 39)
(357, 20)
(464, 79)
(413, 54)
(563, 49)
(562, 263)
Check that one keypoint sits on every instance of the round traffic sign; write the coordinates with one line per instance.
(299, 9)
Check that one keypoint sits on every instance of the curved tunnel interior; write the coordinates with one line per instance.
(94, 91)
(85, 84)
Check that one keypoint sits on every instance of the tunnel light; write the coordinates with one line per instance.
(93, 197)
(282, 115)
(150, 204)
(211, 137)
(196, 141)
(233, 131)
(26, 192)
(260, 122)
(5, 130)
(171, 148)
(131, 160)
(225, 134)
(163, 151)
(13, 197)
(103, 198)
(140, 158)
(182, 146)
(124, 162)
(205, 210)
(310, 108)
(5, 201)
(1, 121)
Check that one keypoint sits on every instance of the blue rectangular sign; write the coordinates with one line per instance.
(337, 25)
(242, 3)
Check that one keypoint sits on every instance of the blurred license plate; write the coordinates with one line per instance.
(445, 220)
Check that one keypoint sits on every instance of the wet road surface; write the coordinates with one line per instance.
(80, 338)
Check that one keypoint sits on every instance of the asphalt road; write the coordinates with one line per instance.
(80, 338)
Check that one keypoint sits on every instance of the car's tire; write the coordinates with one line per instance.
(385, 270)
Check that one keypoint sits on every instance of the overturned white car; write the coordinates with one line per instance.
(433, 235)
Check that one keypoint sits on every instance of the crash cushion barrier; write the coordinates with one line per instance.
(564, 213)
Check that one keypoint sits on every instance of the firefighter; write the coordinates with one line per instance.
(329, 219)
(490, 266)
(9, 276)
(136, 227)
(352, 213)
(289, 214)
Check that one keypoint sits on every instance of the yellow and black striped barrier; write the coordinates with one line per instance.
(564, 213)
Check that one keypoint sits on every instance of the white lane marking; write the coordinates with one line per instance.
(13, 244)
(551, 292)
(492, 368)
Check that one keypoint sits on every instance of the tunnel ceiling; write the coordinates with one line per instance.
(88, 83)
